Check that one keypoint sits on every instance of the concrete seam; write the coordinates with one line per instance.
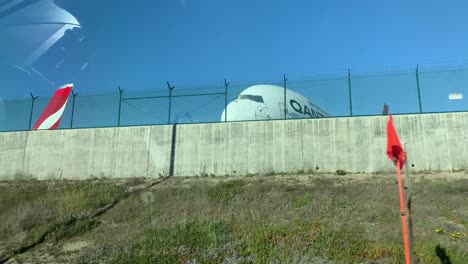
(24, 151)
(302, 144)
(149, 151)
(173, 148)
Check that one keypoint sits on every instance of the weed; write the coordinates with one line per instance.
(254, 220)
(278, 243)
(271, 173)
(85, 196)
(302, 200)
(98, 253)
(225, 191)
(74, 229)
(31, 208)
(21, 176)
(341, 172)
(178, 243)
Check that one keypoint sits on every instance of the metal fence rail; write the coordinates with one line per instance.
(350, 93)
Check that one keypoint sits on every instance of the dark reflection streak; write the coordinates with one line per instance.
(17, 7)
(46, 23)
(6, 3)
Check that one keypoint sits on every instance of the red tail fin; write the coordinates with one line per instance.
(50, 118)
(385, 109)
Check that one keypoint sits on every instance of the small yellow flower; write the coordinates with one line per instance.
(438, 230)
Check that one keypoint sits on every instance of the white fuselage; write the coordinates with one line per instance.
(263, 102)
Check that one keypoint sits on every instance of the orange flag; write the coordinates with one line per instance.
(394, 149)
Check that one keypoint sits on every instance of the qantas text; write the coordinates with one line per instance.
(304, 109)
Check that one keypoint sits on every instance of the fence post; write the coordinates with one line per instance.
(32, 109)
(73, 108)
(120, 105)
(350, 94)
(170, 101)
(419, 89)
(226, 84)
(285, 106)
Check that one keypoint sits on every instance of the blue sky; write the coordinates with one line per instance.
(142, 44)
(145, 42)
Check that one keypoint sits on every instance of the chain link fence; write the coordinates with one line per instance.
(407, 90)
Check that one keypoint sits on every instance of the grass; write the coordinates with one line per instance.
(29, 208)
(274, 219)
(302, 200)
(193, 240)
(225, 191)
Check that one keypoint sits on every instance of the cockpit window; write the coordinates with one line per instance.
(255, 98)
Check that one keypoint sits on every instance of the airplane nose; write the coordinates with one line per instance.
(240, 110)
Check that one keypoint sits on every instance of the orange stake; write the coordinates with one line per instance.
(403, 216)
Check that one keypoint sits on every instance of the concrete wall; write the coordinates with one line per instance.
(435, 142)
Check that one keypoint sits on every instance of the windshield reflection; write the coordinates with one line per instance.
(45, 47)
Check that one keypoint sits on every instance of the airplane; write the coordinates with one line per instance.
(265, 101)
(258, 102)
(52, 114)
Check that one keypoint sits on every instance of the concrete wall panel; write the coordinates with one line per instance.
(434, 142)
(12, 146)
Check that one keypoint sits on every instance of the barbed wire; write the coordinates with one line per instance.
(213, 84)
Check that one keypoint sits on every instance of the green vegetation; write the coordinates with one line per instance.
(302, 200)
(341, 172)
(178, 243)
(271, 219)
(225, 191)
(30, 208)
